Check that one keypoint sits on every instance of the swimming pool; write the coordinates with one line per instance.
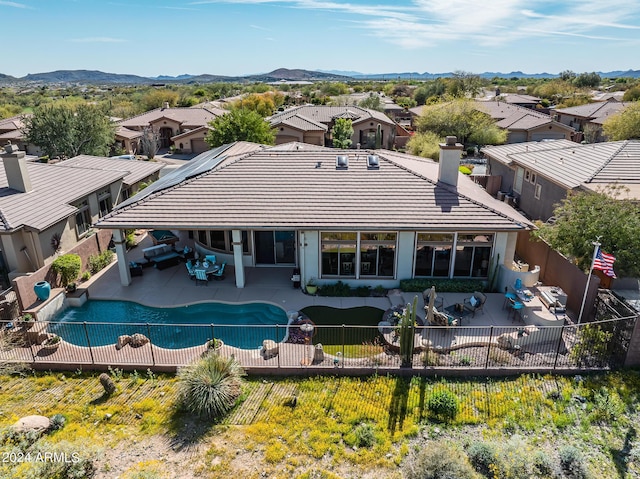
(179, 327)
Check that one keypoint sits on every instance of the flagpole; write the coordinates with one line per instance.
(596, 245)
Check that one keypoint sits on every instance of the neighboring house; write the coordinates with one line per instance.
(49, 208)
(540, 175)
(593, 114)
(522, 124)
(312, 124)
(11, 131)
(170, 123)
(524, 101)
(367, 218)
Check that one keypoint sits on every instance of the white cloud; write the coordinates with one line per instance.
(13, 4)
(97, 40)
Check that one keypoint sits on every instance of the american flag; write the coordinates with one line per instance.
(604, 262)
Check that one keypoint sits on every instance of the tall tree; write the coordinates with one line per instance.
(67, 130)
(625, 125)
(240, 125)
(582, 217)
(462, 119)
(373, 102)
(341, 133)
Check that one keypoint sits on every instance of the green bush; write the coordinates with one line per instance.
(444, 285)
(443, 404)
(362, 291)
(483, 457)
(68, 267)
(335, 289)
(100, 261)
(211, 386)
(364, 435)
(437, 461)
(572, 463)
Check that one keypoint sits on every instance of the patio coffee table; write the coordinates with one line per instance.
(459, 315)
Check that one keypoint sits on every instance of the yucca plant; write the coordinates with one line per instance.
(210, 386)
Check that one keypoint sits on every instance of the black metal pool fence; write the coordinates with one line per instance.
(596, 345)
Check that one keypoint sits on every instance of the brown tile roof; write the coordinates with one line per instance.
(187, 117)
(303, 124)
(124, 132)
(595, 110)
(191, 132)
(520, 99)
(11, 135)
(11, 124)
(325, 114)
(283, 187)
(499, 110)
(587, 166)
(135, 170)
(54, 188)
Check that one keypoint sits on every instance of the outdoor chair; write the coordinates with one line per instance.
(218, 275)
(201, 275)
(438, 303)
(475, 303)
(211, 258)
(190, 269)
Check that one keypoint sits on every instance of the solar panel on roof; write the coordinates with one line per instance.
(200, 164)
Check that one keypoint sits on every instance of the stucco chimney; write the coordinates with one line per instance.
(15, 168)
(165, 105)
(449, 161)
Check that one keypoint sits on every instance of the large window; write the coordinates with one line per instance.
(83, 218)
(433, 254)
(473, 252)
(376, 256)
(222, 240)
(104, 201)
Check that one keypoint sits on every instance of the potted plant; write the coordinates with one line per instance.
(26, 321)
(51, 343)
(214, 344)
(312, 288)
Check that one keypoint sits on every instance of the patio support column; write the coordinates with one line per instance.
(123, 266)
(236, 237)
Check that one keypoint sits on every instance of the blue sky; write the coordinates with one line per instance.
(238, 37)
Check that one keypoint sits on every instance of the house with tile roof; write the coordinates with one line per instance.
(313, 124)
(522, 124)
(365, 217)
(539, 175)
(171, 124)
(11, 131)
(47, 208)
(593, 114)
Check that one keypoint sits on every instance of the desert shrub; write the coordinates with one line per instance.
(86, 276)
(443, 404)
(483, 457)
(364, 435)
(68, 267)
(430, 358)
(318, 474)
(100, 261)
(572, 463)
(465, 170)
(78, 465)
(437, 461)
(210, 386)
(542, 465)
(607, 406)
(499, 355)
(445, 285)
(57, 422)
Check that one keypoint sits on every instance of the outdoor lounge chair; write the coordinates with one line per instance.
(218, 275)
(475, 303)
(201, 275)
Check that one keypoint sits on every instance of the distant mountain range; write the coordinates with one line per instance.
(102, 78)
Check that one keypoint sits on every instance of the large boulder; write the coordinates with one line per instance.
(270, 349)
(123, 341)
(34, 423)
(138, 340)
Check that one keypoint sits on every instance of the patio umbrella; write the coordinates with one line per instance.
(432, 300)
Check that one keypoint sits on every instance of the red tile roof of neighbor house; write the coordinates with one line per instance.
(135, 170)
(187, 117)
(298, 186)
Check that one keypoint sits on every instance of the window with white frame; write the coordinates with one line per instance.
(375, 258)
(538, 191)
(473, 252)
(533, 178)
(433, 254)
(517, 181)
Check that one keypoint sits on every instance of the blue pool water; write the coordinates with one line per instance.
(179, 327)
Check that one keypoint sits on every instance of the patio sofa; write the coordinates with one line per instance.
(162, 256)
